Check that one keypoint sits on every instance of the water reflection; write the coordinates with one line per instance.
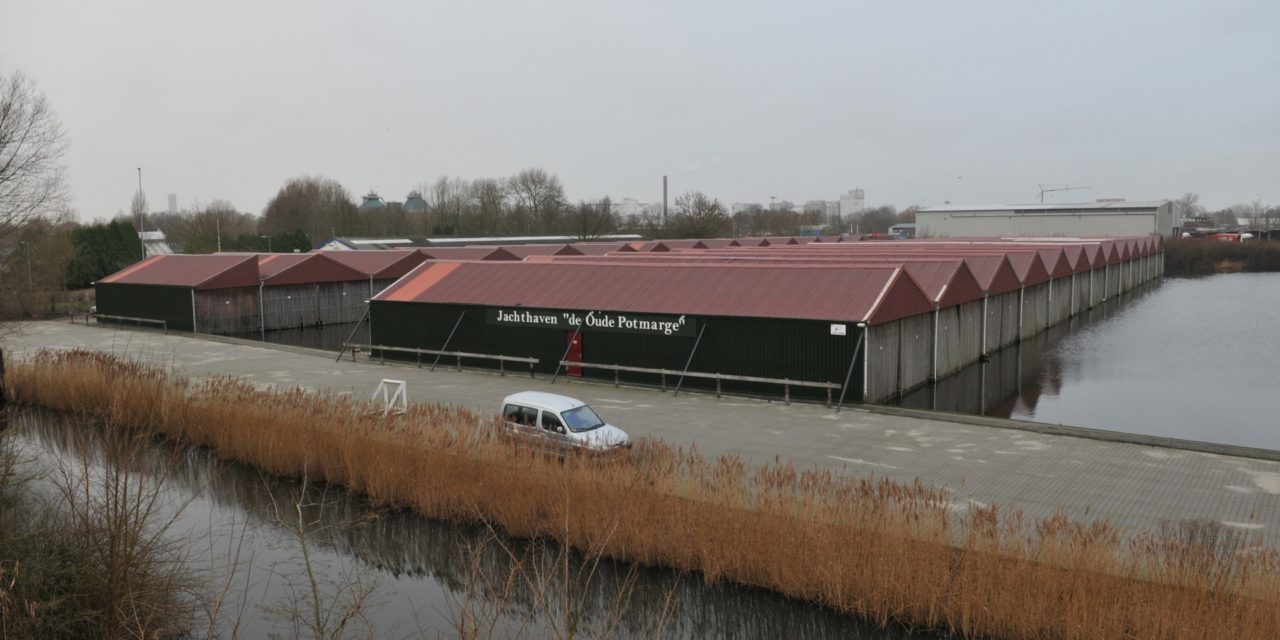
(1186, 358)
(328, 337)
(418, 577)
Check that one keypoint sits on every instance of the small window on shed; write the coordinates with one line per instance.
(551, 422)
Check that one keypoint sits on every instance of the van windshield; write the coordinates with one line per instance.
(582, 419)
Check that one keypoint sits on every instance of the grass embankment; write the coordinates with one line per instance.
(1201, 257)
(870, 547)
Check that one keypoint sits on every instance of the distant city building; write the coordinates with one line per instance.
(1080, 220)
(782, 205)
(371, 202)
(745, 207)
(628, 207)
(173, 203)
(853, 202)
(903, 231)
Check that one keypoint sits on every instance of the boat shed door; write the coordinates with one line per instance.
(573, 340)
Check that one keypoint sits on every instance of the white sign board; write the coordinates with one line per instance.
(838, 330)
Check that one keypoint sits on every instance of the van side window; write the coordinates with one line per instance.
(550, 421)
(511, 413)
(528, 416)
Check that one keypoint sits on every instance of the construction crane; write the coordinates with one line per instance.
(1051, 189)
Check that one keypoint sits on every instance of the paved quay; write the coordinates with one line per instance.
(1133, 485)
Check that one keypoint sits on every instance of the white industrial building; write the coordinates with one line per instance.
(1108, 218)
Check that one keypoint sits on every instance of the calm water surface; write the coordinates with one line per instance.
(416, 578)
(1187, 358)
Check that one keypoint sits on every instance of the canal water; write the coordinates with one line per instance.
(1184, 358)
(1191, 358)
(248, 538)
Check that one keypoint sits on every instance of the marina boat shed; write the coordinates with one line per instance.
(814, 323)
(314, 290)
(199, 293)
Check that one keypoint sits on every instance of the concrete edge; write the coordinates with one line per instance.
(1163, 442)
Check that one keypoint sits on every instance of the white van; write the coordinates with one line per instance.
(557, 422)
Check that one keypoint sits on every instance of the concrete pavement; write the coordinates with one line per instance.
(1130, 484)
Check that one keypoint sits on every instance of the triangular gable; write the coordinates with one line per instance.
(1029, 267)
(319, 268)
(659, 247)
(963, 288)
(242, 274)
(500, 254)
(1055, 261)
(902, 298)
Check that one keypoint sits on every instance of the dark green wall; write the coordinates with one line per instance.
(795, 349)
(172, 304)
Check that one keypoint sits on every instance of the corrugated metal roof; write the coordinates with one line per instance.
(380, 264)
(214, 271)
(269, 264)
(316, 268)
(598, 248)
(872, 294)
(991, 268)
(1055, 262)
(526, 250)
(468, 253)
(1029, 267)
(945, 281)
(1066, 206)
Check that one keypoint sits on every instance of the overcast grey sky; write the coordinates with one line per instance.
(917, 102)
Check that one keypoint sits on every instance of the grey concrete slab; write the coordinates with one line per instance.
(1131, 484)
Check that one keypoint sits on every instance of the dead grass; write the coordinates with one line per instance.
(886, 551)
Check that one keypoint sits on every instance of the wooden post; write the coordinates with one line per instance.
(786, 390)
(502, 367)
(4, 398)
(615, 377)
(717, 385)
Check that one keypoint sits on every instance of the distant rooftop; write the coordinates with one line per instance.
(1108, 204)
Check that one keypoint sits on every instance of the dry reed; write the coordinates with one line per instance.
(886, 551)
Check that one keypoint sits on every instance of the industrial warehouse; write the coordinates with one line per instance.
(797, 318)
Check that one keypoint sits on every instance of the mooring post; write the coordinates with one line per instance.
(3, 397)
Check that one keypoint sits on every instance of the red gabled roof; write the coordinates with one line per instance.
(1029, 267)
(270, 264)
(597, 248)
(875, 294)
(316, 268)
(525, 250)
(379, 264)
(1055, 262)
(215, 271)
(468, 253)
(947, 282)
(1094, 256)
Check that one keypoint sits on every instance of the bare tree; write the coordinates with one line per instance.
(205, 230)
(700, 216)
(449, 198)
(590, 220)
(31, 149)
(488, 207)
(1188, 206)
(319, 206)
(540, 196)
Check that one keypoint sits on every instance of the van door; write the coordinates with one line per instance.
(574, 353)
(554, 431)
(521, 420)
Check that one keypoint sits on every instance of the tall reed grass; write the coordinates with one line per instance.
(886, 551)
